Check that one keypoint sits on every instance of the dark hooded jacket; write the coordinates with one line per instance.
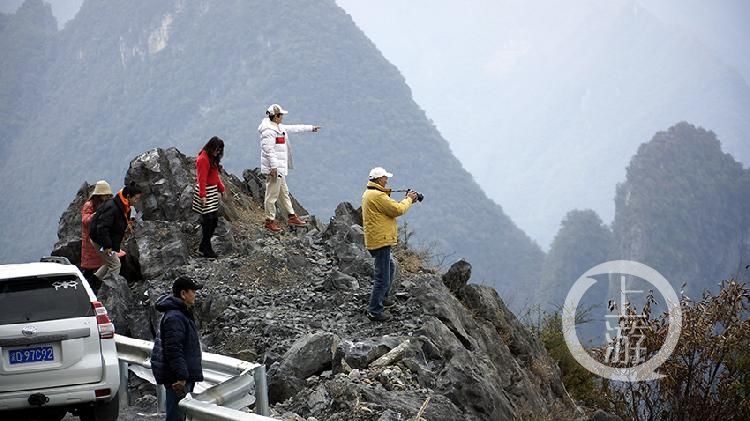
(177, 350)
(109, 224)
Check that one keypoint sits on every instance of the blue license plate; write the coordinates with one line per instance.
(31, 355)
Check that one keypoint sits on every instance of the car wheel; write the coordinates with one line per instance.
(108, 411)
(46, 414)
(102, 411)
(49, 414)
(86, 414)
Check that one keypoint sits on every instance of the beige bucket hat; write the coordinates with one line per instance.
(101, 188)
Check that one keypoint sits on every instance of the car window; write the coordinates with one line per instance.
(36, 299)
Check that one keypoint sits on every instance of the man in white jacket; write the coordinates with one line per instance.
(275, 163)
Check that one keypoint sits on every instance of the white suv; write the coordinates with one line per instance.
(57, 346)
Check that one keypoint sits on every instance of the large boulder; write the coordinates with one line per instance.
(309, 355)
(118, 300)
(353, 260)
(166, 178)
(345, 226)
(158, 246)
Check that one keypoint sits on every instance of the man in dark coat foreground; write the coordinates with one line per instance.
(176, 357)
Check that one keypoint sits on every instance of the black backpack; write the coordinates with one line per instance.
(92, 228)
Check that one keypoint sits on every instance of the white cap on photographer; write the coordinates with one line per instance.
(378, 172)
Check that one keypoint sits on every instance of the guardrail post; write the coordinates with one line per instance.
(261, 391)
(123, 384)
(161, 399)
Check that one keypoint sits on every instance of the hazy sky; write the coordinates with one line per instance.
(64, 10)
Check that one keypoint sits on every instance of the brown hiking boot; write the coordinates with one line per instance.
(272, 226)
(294, 220)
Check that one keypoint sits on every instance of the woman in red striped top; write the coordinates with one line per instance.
(206, 192)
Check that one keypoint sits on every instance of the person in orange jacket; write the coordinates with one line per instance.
(90, 259)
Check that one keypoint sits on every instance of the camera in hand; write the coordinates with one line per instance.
(420, 196)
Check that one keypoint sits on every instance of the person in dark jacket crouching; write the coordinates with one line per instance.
(176, 357)
(108, 226)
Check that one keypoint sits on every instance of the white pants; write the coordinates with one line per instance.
(111, 262)
(276, 190)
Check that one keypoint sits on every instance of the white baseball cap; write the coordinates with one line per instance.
(274, 109)
(378, 172)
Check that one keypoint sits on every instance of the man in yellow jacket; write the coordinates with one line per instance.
(379, 213)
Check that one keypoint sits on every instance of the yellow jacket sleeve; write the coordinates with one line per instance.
(391, 207)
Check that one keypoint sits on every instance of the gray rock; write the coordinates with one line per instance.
(353, 260)
(457, 276)
(600, 415)
(157, 246)
(356, 235)
(346, 213)
(296, 262)
(346, 393)
(166, 178)
(223, 238)
(477, 365)
(143, 315)
(319, 400)
(340, 229)
(309, 355)
(255, 184)
(69, 229)
(247, 354)
(291, 416)
(359, 354)
(117, 298)
(342, 281)
(389, 415)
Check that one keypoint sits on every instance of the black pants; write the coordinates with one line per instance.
(94, 282)
(209, 221)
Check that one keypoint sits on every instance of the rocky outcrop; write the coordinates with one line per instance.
(457, 277)
(295, 301)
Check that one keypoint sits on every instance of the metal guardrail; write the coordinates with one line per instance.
(225, 389)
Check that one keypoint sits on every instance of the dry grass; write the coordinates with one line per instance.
(249, 218)
(412, 261)
(542, 369)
